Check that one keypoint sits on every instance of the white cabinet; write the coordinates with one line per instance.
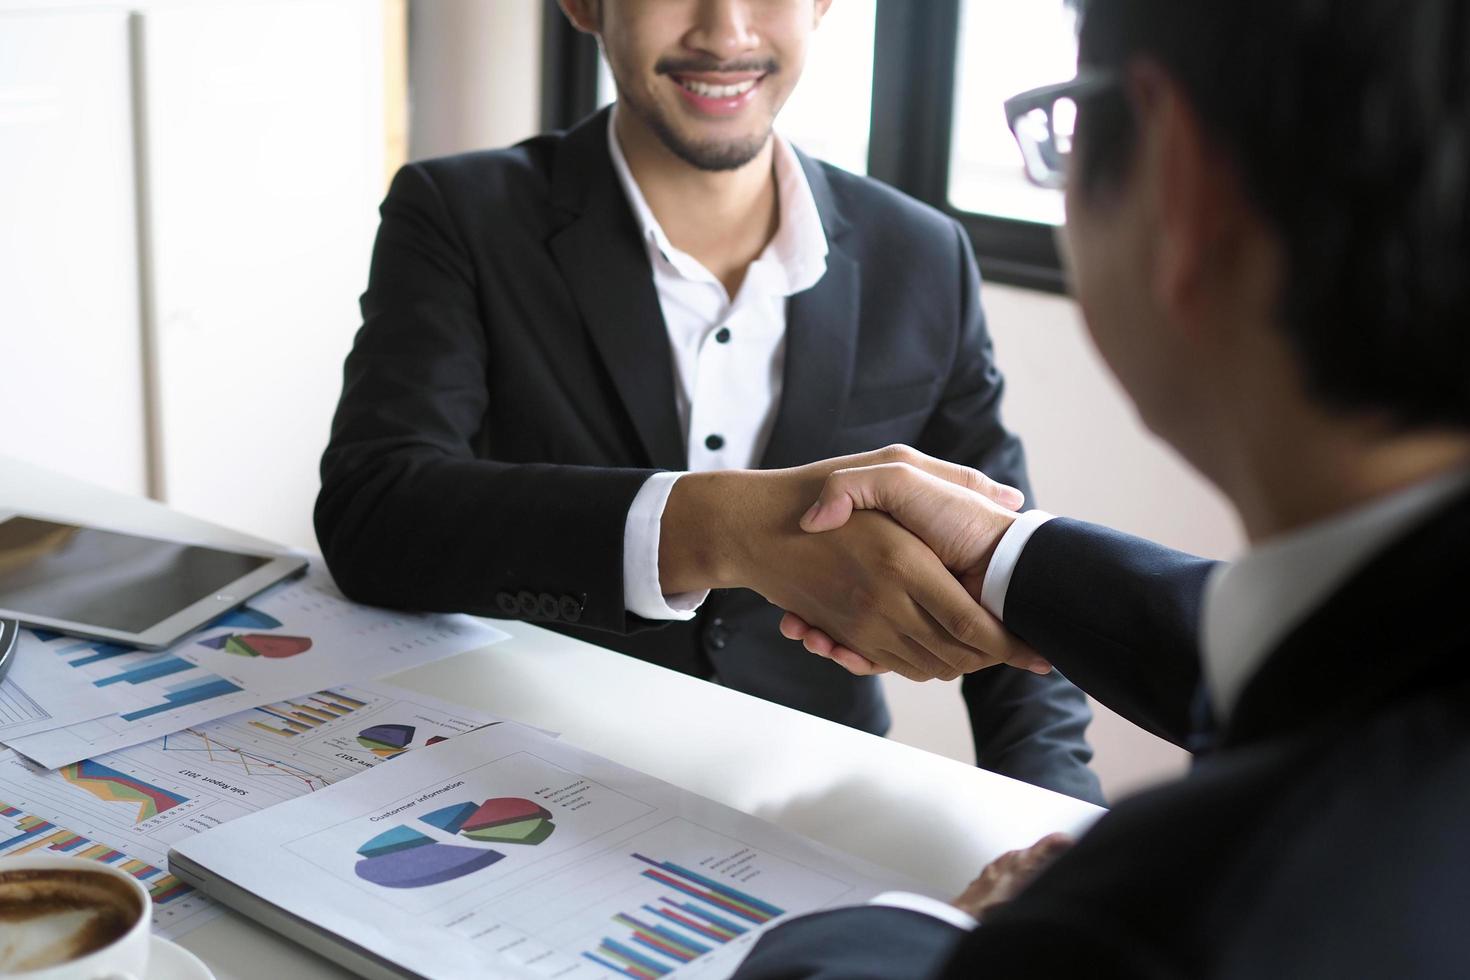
(71, 364)
(181, 327)
(264, 128)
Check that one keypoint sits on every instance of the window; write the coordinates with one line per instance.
(1005, 47)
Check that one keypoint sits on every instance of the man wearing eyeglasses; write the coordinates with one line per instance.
(594, 370)
(1269, 235)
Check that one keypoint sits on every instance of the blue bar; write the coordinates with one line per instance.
(662, 952)
(148, 672)
(44, 828)
(612, 966)
(674, 937)
(709, 917)
(725, 890)
(663, 914)
(178, 699)
(104, 652)
(652, 965)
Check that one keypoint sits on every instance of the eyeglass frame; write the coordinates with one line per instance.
(1048, 171)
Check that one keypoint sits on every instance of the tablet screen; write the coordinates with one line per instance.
(106, 579)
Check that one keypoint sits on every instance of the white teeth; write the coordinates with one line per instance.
(718, 91)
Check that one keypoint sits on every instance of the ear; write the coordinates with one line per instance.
(819, 10)
(1194, 194)
(585, 15)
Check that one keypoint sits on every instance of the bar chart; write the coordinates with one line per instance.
(693, 915)
(24, 833)
(288, 719)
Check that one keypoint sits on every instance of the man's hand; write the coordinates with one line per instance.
(957, 511)
(870, 582)
(1009, 875)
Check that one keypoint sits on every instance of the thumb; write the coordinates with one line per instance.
(883, 487)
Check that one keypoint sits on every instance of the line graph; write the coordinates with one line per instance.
(209, 748)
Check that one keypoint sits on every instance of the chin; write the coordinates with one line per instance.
(721, 152)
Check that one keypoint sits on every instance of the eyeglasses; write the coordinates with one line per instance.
(1044, 120)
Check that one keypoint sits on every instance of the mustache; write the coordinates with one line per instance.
(677, 66)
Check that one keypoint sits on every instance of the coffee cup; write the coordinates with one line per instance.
(67, 918)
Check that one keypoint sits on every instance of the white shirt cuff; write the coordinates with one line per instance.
(642, 594)
(931, 907)
(1003, 563)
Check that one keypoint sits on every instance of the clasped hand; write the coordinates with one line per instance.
(872, 591)
(956, 511)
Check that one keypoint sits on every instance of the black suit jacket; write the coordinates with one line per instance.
(1325, 834)
(511, 389)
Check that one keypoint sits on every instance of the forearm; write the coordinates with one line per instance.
(1118, 615)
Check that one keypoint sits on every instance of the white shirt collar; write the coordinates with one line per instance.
(1252, 604)
(793, 261)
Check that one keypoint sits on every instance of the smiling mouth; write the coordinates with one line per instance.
(709, 90)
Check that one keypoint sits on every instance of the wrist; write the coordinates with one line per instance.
(698, 549)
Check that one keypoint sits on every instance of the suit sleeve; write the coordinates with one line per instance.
(1119, 615)
(407, 515)
(864, 942)
(1029, 727)
(873, 943)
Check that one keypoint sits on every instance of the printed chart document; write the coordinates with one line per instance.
(299, 636)
(43, 692)
(128, 807)
(504, 853)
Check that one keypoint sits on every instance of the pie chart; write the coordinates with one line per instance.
(503, 820)
(267, 645)
(386, 740)
(404, 858)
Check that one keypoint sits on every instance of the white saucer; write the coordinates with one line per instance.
(170, 961)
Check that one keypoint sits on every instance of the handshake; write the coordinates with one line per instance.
(878, 559)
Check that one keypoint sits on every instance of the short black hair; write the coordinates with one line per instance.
(1349, 123)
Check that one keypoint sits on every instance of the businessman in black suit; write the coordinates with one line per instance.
(554, 332)
(1269, 219)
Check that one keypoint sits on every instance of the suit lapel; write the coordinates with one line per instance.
(599, 253)
(821, 344)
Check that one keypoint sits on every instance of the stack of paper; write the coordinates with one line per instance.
(115, 754)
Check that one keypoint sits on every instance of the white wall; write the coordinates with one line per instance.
(474, 74)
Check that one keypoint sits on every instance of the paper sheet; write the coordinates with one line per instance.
(42, 692)
(129, 807)
(299, 636)
(503, 853)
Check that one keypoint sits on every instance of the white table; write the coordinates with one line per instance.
(848, 789)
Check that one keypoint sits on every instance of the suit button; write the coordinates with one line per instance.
(570, 609)
(507, 604)
(722, 335)
(526, 602)
(547, 606)
(717, 636)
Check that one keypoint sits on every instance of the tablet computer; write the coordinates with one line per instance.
(121, 587)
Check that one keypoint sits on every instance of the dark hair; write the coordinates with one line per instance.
(1349, 122)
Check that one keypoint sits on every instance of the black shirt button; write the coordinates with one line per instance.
(723, 335)
(507, 604)
(526, 602)
(717, 636)
(547, 606)
(714, 442)
(570, 608)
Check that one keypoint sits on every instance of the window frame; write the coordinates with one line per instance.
(915, 57)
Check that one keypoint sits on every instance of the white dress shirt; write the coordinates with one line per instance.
(728, 356)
